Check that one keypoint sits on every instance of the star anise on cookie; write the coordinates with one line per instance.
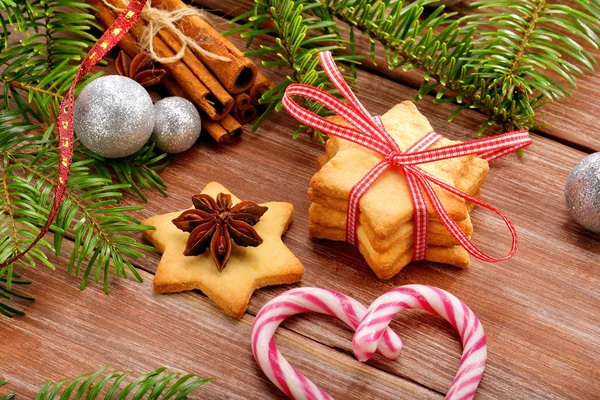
(215, 223)
(140, 69)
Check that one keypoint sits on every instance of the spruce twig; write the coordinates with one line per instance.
(35, 73)
(504, 59)
(107, 384)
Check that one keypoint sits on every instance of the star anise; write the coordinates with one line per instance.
(215, 223)
(140, 69)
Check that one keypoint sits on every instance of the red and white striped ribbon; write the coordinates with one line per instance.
(368, 131)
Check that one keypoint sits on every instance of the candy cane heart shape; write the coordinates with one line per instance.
(292, 382)
(437, 301)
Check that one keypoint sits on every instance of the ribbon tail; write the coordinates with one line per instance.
(491, 148)
(451, 225)
(494, 154)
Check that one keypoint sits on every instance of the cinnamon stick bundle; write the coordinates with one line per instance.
(239, 73)
(223, 98)
(261, 84)
(190, 79)
(216, 106)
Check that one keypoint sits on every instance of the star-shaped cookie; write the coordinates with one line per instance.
(248, 268)
(385, 229)
(387, 205)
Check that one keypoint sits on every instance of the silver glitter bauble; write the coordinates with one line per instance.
(113, 116)
(177, 125)
(582, 192)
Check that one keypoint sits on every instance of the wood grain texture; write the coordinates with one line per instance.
(539, 309)
(517, 300)
(558, 115)
(136, 329)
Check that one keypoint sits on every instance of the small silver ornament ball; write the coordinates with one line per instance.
(177, 125)
(113, 116)
(582, 192)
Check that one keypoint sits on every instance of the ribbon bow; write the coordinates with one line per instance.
(368, 131)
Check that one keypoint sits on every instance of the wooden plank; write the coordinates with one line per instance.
(581, 107)
(67, 332)
(538, 308)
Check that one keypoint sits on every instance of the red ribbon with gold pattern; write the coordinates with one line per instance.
(109, 39)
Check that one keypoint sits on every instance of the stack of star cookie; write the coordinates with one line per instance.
(385, 229)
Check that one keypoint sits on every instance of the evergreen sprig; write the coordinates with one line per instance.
(105, 384)
(9, 278)
(35, 73)
(503, 57)
(8, 396)
(302, 29)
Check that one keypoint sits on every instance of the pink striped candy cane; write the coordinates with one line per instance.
(442, 303)
(296, 301)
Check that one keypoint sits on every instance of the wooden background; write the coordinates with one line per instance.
(540, 309)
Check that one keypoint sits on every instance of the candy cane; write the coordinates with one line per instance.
(296, 301)
(372, 332)
(442, 303)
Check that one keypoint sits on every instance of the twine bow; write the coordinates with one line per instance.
(368, 131)
(157, 19)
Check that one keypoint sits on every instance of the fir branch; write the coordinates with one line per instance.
(105, 384)
(3, 382)
(505, 59)
(301, 32)
(7, 279)
(138, 171)
(35, 73)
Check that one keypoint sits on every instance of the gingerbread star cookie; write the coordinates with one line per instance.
(385, 228)
(261, 258)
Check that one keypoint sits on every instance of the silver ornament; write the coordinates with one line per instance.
(113, 116)
(177, 125)
(582, 192)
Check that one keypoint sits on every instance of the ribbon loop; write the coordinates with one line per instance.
(369, 132)
(363, 130)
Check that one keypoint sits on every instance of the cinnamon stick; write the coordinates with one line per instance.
(232, 127)
(237, 74)
(223, 131)
(198, 92)
(260, 85)
(203, 74)
(243, 101)
(246, 115)
(174, 88)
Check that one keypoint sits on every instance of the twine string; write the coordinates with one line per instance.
(157, 19)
